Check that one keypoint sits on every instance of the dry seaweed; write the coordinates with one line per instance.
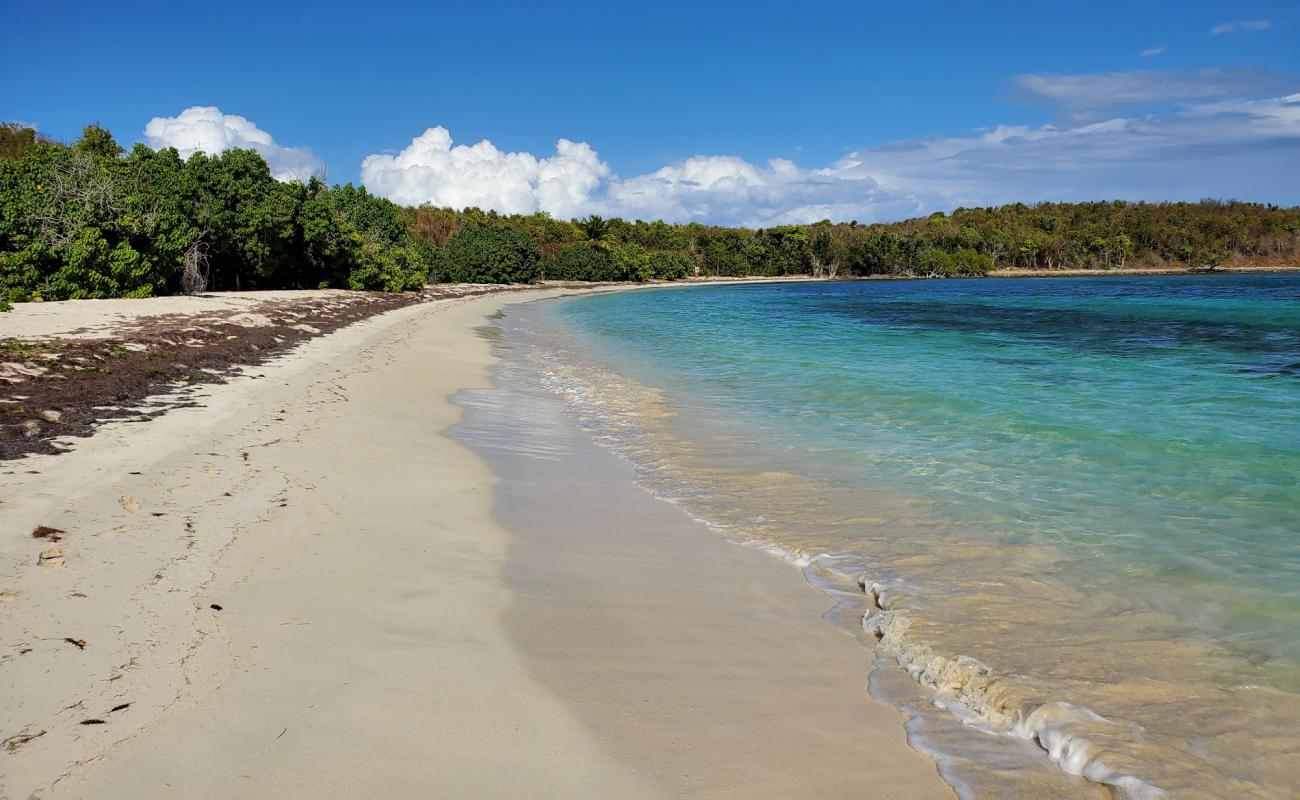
(48, 533)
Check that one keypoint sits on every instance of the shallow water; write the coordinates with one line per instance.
(1072, 503)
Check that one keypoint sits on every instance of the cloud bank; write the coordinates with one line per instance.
(1214, 136)
(205, 129)
(1214, 146)
(1229, 148)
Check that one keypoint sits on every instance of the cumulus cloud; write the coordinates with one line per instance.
(1229, 147)
(1241, 25)
(205, 129)
(1089, 96)
(726, 188)
(1152, 52)
(431, 170)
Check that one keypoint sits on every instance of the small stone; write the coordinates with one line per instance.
(31, 428)
(51, 557)
(50, 415)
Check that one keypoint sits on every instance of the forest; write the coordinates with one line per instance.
(90, 219)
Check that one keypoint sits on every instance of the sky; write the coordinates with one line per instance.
(733, 113)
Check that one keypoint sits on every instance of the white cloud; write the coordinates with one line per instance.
(1241, 25)
(1152, 52)
(1233, 148)
(1219, 147)
(206, 129)
(431, 170)
(1090, 96)
(730, 189)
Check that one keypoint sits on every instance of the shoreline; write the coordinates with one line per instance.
(713, 670)
(262, 614)
(618, 410)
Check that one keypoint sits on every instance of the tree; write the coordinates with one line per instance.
(489, 253)
(597, 232)
(785, 250)
(98, 142)
(631, 262)
(824, 252)
(16, 140)
(670, 265)
(580, 262)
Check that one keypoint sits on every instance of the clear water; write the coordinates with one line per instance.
(1075, 502)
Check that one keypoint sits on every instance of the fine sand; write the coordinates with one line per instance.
(299, 589)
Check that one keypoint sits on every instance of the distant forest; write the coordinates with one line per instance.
(88, 219)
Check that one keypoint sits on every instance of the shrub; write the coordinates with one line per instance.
(631, 263)
(970, 262)
(670, 265)
(488, 253)
(580, 262)
(387, 269)
(935, 262)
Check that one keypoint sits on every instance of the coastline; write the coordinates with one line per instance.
(711, 668)
(297, 587)
(616, 389)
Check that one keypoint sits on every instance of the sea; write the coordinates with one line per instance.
(1063, 513)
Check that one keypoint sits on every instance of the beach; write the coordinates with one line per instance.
(298, 585)
(1062, 506)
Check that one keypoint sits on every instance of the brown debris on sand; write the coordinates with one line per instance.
(88, 381)
(58, 388)
(46, 532)
(19, 739)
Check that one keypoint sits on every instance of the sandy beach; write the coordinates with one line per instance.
(299, 586)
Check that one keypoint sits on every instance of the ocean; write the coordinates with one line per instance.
(1065, 511)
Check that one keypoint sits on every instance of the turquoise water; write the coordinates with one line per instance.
(1150, 426)
(1101, 471)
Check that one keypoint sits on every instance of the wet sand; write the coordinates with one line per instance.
(702, 662)
(379, 632)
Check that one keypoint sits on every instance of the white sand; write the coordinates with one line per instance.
(98, 319)
(362, 648)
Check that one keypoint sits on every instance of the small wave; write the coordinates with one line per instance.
(1060, 728)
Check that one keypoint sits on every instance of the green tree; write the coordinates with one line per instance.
(631, 262)
(597, 232)
(670, 265)
(579, 262)
(488, 253)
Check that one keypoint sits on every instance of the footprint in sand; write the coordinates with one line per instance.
(129, 503)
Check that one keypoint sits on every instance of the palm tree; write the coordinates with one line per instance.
(595, 231)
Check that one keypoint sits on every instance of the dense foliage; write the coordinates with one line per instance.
(88, 220)
(488, 253)
(1102, 235)
(967, 242)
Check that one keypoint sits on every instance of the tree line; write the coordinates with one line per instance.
(88, 219)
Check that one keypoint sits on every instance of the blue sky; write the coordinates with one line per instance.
(872, 110)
